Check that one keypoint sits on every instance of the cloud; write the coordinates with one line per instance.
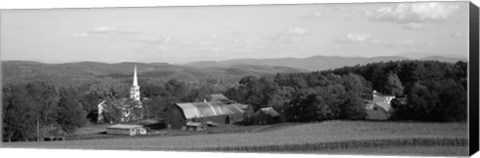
(148, 38)
(297, 31)
(292, 35)
(324, 11)
(80, 35)
(457, 34)
(414, 25)
(216, 49)
(162, 48)
(211, 37)
(202, 42)
(405, 42)
(167, 39)
(356, 38)
(317, 14)
(413, 12)
(103, 32)
(312, 15)
(154, 39)
(104, 29)
(402, 43)
(376, 42)
(368, 39)
(109, 29)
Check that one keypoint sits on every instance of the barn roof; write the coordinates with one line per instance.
(382, 101)
(384, 106)
(270, 111)
(124, 126)
(207, 109)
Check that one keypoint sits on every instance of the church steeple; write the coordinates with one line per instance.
(135, 82)
(135, 89)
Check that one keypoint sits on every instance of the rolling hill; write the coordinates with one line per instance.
(313, 63)
(81, 71)
(229, 69)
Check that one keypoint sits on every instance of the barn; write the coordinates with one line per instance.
(379, 108)
(247, 115)
(195, 126)
(123, 129)
(218, 112)
(266, 115)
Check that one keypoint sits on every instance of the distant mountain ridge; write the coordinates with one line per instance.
(315, 62)
(229, 69)
(80, 71)
(443, 59)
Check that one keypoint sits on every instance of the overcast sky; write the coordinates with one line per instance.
(185, 34)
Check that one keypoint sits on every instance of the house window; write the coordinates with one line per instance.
(375, 108)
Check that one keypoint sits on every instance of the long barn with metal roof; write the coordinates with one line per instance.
(220, 112)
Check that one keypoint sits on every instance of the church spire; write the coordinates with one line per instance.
(135, 82)
(135, 89)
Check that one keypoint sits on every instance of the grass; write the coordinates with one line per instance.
(312, 137)
(99, 131)
(344, 145)
(405, 151)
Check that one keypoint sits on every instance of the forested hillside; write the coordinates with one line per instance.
(73, 73)
(435, 91)
(317, 63)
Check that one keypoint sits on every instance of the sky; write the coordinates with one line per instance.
(186, 34)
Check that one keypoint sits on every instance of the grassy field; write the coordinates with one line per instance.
(406, 151)
(326, 137)
(99, 131)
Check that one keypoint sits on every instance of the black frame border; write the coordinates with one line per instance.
(473, 79)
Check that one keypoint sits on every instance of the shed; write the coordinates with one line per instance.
(195, 126)
(123, 129)
(266, 115)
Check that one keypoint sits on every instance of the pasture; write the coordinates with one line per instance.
(345, 137)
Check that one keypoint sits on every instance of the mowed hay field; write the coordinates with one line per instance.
(334, 136)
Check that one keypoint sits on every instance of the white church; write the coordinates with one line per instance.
(130, 108)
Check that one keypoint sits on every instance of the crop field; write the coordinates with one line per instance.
(325, 137)
(406, 150)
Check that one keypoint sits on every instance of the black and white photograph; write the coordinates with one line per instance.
(373, 78)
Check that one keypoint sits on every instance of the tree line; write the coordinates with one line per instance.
(38, 109)
(432, 90)
(32, 110)
(427, 91)
(305, 97)
(424, 90)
